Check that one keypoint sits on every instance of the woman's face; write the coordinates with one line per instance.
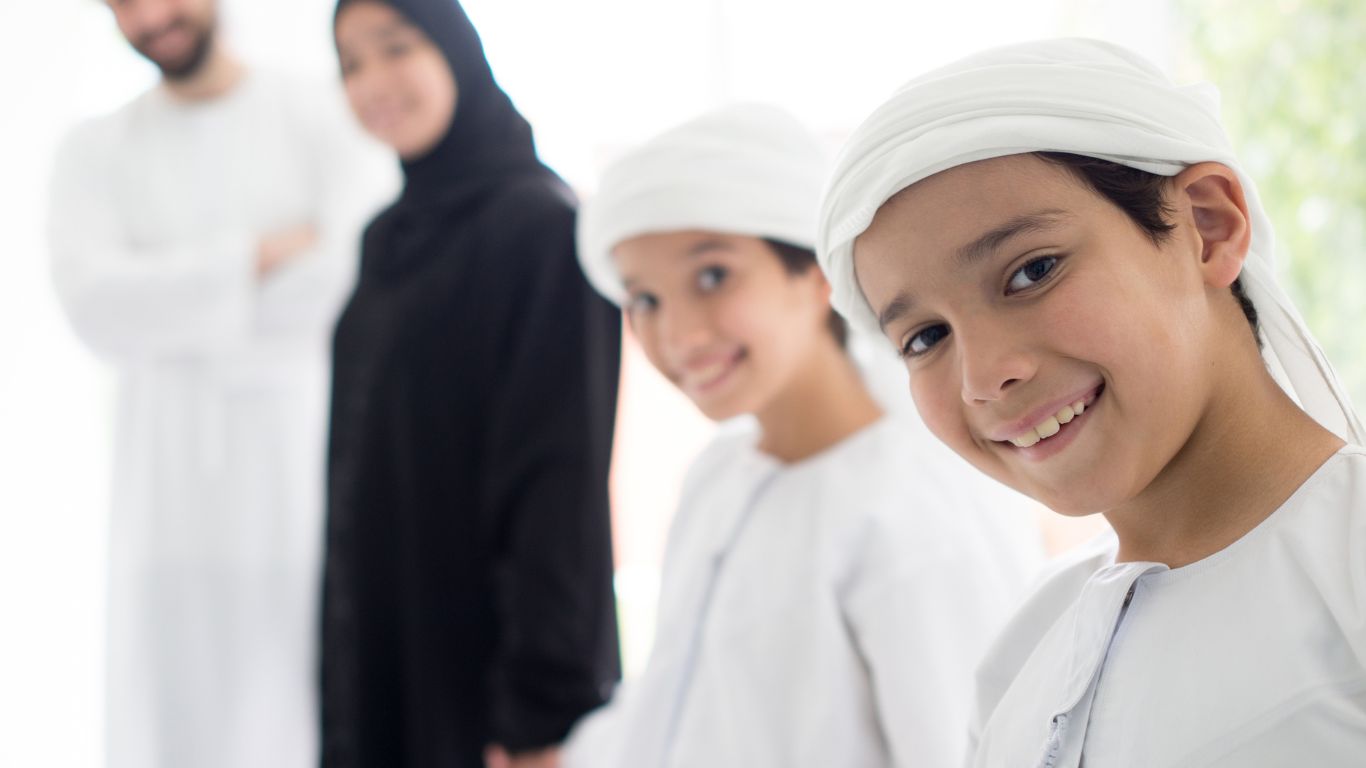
(398, 82)
(721, 316)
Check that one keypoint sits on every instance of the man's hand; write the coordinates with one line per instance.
(279, 248)
(497, 757)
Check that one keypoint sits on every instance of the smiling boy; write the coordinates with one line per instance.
(1077, 275)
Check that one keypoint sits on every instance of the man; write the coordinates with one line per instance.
(203, 237)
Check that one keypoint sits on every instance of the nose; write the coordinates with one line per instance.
(151, 15)
(993, 358)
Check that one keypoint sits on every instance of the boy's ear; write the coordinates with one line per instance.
(822, 284)
(1219, 214)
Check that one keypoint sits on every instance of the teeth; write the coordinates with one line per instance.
(706, 375)
(709, 372)
(1049, 426)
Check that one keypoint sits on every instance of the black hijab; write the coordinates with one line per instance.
(488, 143)
(488, 139)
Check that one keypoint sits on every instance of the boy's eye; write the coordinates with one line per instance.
(924, 340)
(710, 278)
(641, 302)
(395, 50)
(1031, 274)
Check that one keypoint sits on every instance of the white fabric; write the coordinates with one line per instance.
(216, 525)
(1080, 96)
(1254, 657)
(745, 169)
(825, 613)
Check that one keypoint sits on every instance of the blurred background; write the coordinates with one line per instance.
(594, 77)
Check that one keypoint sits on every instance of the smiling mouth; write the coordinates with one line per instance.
(705, 378)
(1054, 423)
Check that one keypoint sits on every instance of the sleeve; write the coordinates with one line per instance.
(127, 301)
(596, 739)
(920, 622)
(549, 447)
(600, 738)
(350, 178)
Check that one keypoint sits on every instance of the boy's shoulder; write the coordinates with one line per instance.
(911, 485)
(1344, 470)
(1329, 510)
(1055, 591)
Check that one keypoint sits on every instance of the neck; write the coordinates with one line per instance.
(220, 72)
(825, 402)
(1252, 448)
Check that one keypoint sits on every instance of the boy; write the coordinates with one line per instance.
(828, 586)
(1059, 243)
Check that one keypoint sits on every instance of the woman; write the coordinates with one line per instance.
(467, 597)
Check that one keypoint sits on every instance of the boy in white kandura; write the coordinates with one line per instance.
(1078, 275)
(830, 581)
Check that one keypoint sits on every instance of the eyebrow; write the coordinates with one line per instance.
(898, 306)
(989, 243)
(701, 248)
(707, 246)
(388, 31)
(394, 28)
(982, 247)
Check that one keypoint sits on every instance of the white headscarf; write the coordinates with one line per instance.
(746, 169)
(1080, 96)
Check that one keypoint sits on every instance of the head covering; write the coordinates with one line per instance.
(487, 138)
(487, 145)
(1084, 97)
(746, 169)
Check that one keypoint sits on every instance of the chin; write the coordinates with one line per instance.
(720, 411)
(1070, 508)
(729, 405)
(410, 148)
(1072, 504)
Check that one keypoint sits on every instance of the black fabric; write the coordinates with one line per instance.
(467, 589)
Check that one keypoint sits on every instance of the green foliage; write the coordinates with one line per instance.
(1294, 102)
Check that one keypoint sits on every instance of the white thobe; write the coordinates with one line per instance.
(824, 613)
(1254, 657)
(215, 534)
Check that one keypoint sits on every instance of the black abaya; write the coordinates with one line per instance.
(467, 590)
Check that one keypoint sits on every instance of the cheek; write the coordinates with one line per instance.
(774, 332)
(1082, 323)
(356, 92)
(736, 315)
(128, 25)
(1078, 321)
(431, 90)
(937, 397)
(648, 340)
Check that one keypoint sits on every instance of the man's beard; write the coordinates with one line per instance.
(188, 64)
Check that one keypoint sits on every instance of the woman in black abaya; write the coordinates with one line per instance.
(467, 593)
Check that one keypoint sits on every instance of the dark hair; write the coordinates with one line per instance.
(1142, 197)
(797, 260)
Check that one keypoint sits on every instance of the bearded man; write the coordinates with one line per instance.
(203, 237)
